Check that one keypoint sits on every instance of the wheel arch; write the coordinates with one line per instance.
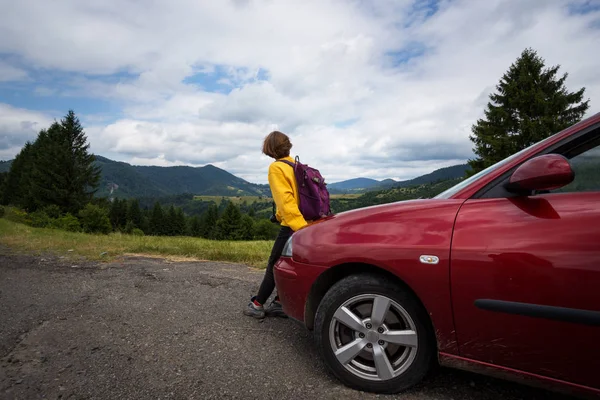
(334, 274)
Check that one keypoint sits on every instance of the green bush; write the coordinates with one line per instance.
(95, 219)
(39, 219)
(129, 227)
(17, 215)
(137, 232)
(265, 230)
(52, 211)
(67, 222)
(2, 211)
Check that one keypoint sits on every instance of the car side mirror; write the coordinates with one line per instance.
(547, 172)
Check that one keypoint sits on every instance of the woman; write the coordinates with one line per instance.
(285, 194)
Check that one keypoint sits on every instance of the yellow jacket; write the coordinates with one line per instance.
(285, 194)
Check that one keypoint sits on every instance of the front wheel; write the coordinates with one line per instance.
(373, 335)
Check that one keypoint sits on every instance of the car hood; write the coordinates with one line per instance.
(356, 235)
(365, 213)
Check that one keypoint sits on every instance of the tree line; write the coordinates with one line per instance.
(229, 223)
(52, 181)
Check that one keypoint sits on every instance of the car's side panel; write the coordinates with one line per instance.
(467, 364)
(525, 281)
(394, 238)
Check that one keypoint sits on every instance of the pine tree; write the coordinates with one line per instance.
(16, 187)
(179, 222)
(209, 222)
(157, 220)
(245, 229)
(195, 226)
(118, 213)
(64, 172)
(134, 213)
(145, 224)
(171, 221)
(531, 103)
(228, 225)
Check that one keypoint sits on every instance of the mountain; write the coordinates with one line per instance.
(442, 174)
(126, 181)
(353, 184)
(362, 185)
(374, 197)
(150, 181)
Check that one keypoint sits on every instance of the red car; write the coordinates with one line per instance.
(499, 274)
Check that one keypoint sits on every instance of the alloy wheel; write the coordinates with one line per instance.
(373, 337)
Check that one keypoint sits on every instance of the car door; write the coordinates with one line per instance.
(525, 274)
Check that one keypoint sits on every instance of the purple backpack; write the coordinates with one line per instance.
(314, 196)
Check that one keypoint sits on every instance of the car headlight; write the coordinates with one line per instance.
(287, 249)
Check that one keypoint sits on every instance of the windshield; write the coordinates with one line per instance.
(458, 187)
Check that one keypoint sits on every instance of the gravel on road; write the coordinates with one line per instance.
(150, 328)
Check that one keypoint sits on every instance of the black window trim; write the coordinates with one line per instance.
(578, 139)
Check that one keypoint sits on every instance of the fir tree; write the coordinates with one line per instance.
(118, 213)
(171, 221)
(157, 220)
(195, 226)
(531, 103)
(179, 222)
(145, 224)
(134, 213)
(245, 230)
(209, 222)
(228, 225)
(16, 185)
(63, 171)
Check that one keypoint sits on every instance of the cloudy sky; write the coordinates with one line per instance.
(379, 89)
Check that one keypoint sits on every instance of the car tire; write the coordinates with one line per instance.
(368, 371)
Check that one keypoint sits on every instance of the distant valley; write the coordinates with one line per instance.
(127, 181)
(362, 185)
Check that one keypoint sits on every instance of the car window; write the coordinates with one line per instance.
(586, 166)
(458, 187)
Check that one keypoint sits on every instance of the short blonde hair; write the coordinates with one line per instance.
(277, 145)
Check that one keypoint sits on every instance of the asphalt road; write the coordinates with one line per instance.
(143, 328)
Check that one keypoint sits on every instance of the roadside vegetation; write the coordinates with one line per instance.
(17, 234)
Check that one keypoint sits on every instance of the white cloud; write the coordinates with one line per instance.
(9, 73)
(327, 63)
(18, 126)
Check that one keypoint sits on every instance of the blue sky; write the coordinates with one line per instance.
(385, 89)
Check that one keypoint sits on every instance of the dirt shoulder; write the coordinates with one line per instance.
(140, 328)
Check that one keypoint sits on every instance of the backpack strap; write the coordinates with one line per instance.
(291, 164)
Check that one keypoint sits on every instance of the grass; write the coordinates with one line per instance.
(266, 200)
(235, 199)
(106, 247)
(345, 196)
